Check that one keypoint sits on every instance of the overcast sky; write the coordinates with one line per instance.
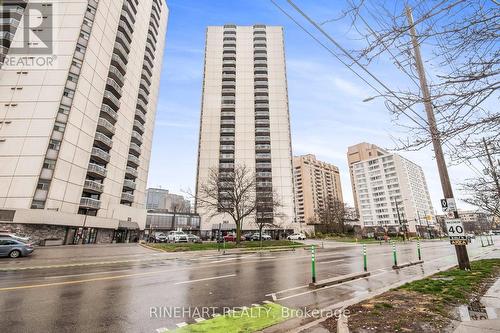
(326, 108)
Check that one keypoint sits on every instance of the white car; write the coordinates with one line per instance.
(177, 237)
(297, 236)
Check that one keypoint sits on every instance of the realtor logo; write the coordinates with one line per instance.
(35, 26)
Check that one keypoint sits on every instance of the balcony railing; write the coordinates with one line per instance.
(106, 109)
(142, 106)
(120, 51)
(137, 137)
(116, 75)
(263, 165)
(100, 154)
(105, 126)
(133, 160)
(92, 186)
(139, 127)
(135, 148)
(90, 203)
(131, 172)
(103, 139)
(227, 147)
(127, 197)
(140, 115)
(130, 184)
(97, 170)
(112, 83)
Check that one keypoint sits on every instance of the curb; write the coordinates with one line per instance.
(337, 280)
(411, 263)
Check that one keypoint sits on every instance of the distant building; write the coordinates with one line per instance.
(391, 194)
(317, 184)
(474, 221)
(357, 153)
(163, 221)
(157, 198)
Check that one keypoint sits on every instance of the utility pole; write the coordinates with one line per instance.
(492, 166)
(461, 250)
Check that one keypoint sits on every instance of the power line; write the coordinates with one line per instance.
(354, 60)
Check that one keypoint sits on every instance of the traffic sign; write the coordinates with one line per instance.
(450, 215)
(456, 232)
(448, 205)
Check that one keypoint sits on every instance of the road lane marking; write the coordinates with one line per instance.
(328, 262)
(206, 279)
(161, 330)
(84, 274)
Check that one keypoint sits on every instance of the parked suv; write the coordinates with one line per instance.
(160, 237)
(177, 237)
(10, 247)
(256, 237)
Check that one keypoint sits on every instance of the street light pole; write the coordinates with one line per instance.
(461, 250)
(399, 217)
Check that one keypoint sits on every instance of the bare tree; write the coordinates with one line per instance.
(331, 216)
(482, 193)
(460, 41)
(235, 193)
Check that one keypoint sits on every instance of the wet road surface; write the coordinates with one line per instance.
(132, 289)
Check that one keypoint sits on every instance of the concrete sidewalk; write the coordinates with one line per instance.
(491, 303)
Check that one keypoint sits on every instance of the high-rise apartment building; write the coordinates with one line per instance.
(76, 133)
(391, 191)
(317, 187)
(244, 117)
(161, 199)
(361, 152)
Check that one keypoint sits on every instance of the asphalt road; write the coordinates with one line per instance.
(132, 289)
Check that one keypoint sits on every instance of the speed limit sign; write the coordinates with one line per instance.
(456, 231)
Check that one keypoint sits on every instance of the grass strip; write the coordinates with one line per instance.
(253, 245)
(245, 321)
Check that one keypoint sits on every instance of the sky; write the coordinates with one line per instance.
(326, 100)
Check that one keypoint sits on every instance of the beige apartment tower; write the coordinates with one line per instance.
(357, 153)
(244, 116)
(76, 133)
(317, 185)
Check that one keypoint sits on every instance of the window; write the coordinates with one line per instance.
(49, 164)
(54, 144)
(58, 126)
(43, 186)
(69, 93)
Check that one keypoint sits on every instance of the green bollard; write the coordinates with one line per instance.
(365, 268)
(482, 243)
(394, 255)
(313, 263)
(491, 237)
(418, 250)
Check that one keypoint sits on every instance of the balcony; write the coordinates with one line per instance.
(260, 75)
(228, 77)
(97, 171)
(115, 74)
(260, 48)
(227, 139)
(103, 141)
(262, 98)
(119, 63)
(229, 62)
(127, 197)
(139, 127)
(135, 149)
(114, 86)
(225, 156)
(121, 52)
(100, 155)
(136, 137)
(133, 161)
(142, 106)
(131, 172)
(261, 90)
(263, 147)
(225, 130)
(92, 186)
(108, 111)
(261, 106)
(262, 122)
(126, 29)
(262, 155)
(264, 174)
(145, 85)
(105, 127)
(128, 12)
(90, 203)
(150, 42)
(228, 114)
(129, 184)
(262, 139)
(143, 95)
(139, 115)
(263, 165)
(226, 165)
(227, 122)
(147, 67)
(227, 147)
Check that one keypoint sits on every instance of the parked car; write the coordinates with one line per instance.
(193, 238)
(10, 247)
(160, 237)
(232, 238)
(297, 236)
(256, 237)
(177, 237)
(248, 236)
(14, 236)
